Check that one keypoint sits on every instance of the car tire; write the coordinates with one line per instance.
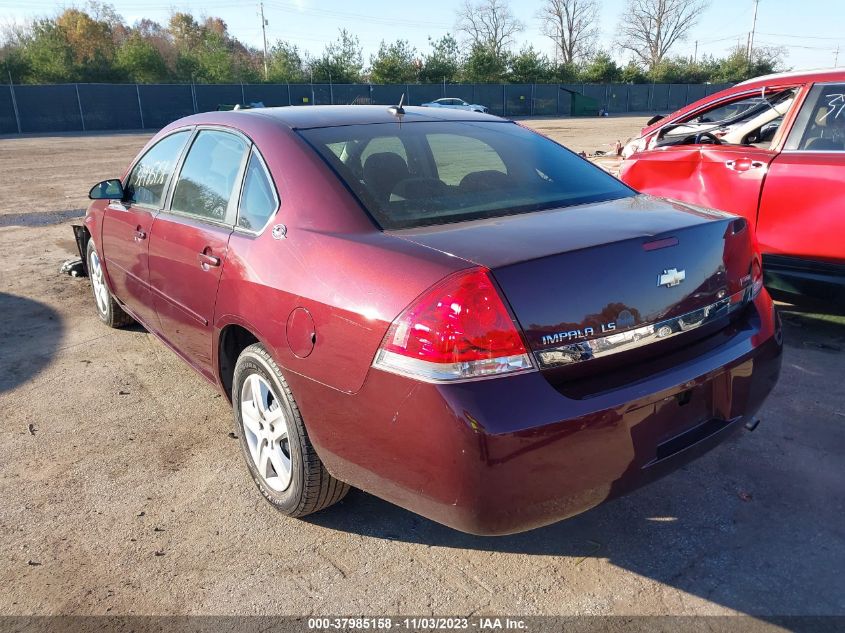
(282, 461)
(108, 309)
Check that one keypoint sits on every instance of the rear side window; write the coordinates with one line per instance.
(258, 199)
(452, 171)
(148, 180)
(820, 126)
(209, 173)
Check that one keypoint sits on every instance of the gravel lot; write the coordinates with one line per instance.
(123, 493)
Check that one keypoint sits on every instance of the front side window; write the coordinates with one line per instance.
(820, 126)
(749, 120)
(731, 110)
(258, 199)
(209, 173)
(148, 180)
(452, 171)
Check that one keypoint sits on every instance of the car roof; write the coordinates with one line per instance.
(779, 79)
(306, 117)
(798, 76)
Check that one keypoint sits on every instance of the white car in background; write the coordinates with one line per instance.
(458, 104)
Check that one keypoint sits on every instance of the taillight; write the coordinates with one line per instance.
(458, 329)
(756, 276)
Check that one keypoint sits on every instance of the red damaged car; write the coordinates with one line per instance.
(439, 307)
(773, 151)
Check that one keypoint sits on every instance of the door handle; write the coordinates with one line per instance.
(207, 261)
(743, 164)
(140, 235)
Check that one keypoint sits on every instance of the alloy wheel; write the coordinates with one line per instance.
(265, 428)
(98, 283)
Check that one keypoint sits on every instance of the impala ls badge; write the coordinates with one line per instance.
(671, 277)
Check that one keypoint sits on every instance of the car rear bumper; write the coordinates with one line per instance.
(505, 455)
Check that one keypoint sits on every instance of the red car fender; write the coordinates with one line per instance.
(93, 223)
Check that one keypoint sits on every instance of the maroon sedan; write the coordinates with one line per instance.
(440, 307)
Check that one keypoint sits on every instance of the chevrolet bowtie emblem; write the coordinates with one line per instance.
(671, 277)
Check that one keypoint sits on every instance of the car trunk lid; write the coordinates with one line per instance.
(592, 281)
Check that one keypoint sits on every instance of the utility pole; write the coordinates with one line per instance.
(753, 29)
(264, 33)
(14, 102)
(695, 55)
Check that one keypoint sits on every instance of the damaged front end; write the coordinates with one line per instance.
(77, 267)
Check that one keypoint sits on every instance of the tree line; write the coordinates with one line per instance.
(95, 44)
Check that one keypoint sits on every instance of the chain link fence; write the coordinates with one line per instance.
(87, 107)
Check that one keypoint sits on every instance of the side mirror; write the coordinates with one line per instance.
(107, 190)
(654, 119)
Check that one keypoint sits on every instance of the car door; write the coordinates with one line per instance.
(189, 241)
(802, 209)
(731, 177)
(126, 225)
(727, 169)
(722, 177)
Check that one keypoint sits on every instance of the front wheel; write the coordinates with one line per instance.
(274, 441)
(108, 309)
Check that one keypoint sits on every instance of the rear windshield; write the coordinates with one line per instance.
(423, 173)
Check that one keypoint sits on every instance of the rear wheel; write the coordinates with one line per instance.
(274, 441)
(108, 309)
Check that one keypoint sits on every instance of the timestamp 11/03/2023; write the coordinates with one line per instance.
(415, 623)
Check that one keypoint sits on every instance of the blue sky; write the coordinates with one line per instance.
(811, 32)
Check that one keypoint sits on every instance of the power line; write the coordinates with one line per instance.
(802, 37)
(801, 46)
(721, 39)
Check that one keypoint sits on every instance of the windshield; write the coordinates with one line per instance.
(423, 173)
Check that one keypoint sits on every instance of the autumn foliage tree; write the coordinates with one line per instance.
(95, 44)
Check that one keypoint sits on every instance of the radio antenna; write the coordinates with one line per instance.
(398, 110)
